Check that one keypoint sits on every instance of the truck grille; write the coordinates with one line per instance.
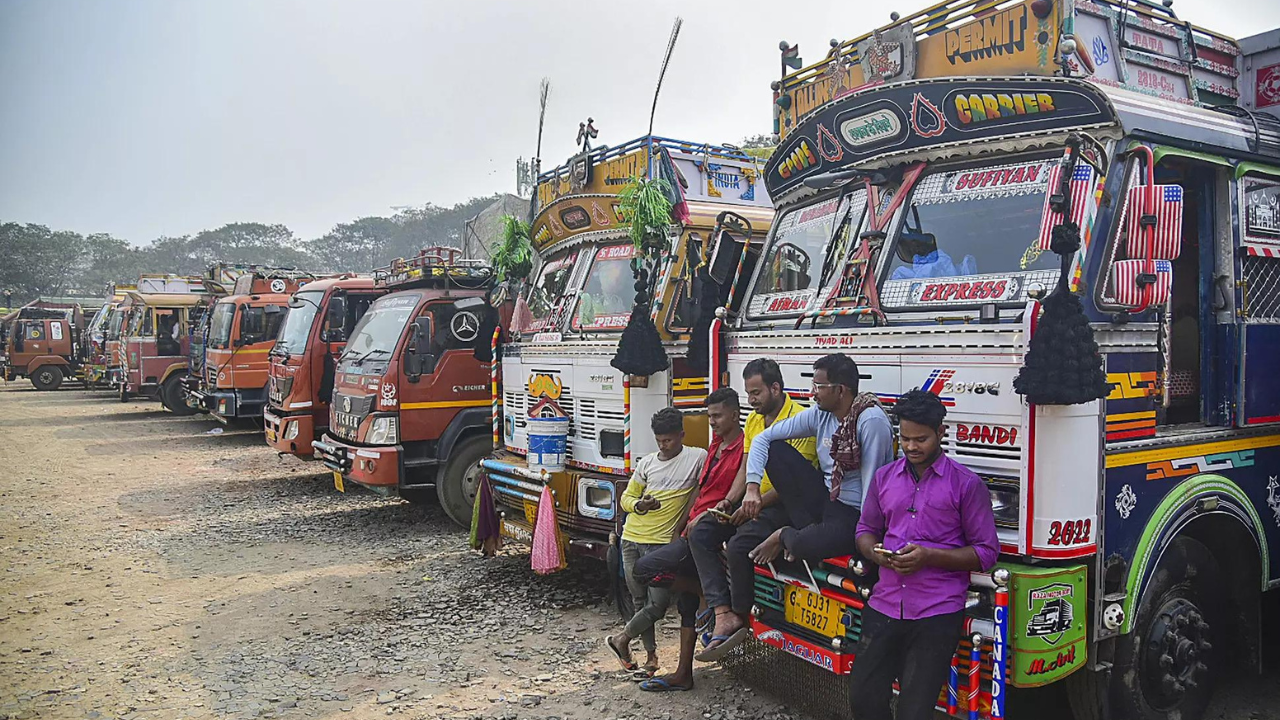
(347, 412)
(278, 389)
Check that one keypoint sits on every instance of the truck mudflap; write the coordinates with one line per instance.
(377, 468)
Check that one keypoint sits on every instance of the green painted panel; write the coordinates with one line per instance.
(1048, 622)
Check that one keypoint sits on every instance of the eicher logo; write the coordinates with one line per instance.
(1001, 34)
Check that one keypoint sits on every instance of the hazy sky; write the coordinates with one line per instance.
(164, 117)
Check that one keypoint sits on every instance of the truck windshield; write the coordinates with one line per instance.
(379, 330)
(971, 237)
(788, 276)
(115, 324)
(550, 287)
(605, 301)
(297, 324)
(224, 315)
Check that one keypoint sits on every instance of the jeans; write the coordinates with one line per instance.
(650, 602)
(819, 527)
(917, 653)
(735, 588)
(659, 568)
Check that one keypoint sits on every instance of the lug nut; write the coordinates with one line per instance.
(1166, 661)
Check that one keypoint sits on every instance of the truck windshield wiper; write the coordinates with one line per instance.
(371, 351)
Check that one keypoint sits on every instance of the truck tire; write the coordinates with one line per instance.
(1165, 667)
(47, 377)
(460, 479)
(173, 398)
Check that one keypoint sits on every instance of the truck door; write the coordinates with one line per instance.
(1258, 295)
(451, 378)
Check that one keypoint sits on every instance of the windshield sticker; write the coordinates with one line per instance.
(982, 183)
(781, 303)
(615, 321)
(560, 264)
(993, 290)
(397, 302)
(616, 252)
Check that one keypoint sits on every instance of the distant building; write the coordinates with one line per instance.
(482, 231)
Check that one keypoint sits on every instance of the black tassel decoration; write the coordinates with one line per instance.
(640, 350)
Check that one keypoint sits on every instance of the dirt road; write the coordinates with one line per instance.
(155, 570)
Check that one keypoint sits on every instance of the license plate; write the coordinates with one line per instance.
(815, 612)
(337, 482)
(531, 513)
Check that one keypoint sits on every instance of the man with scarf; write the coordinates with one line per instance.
(822, 505)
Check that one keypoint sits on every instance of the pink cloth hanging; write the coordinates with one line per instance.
(522, 317)
(548, 552)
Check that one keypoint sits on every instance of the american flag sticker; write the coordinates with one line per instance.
(1167, 234)
(1081, 187)
(1130, 294)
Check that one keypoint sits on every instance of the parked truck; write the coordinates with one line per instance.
(153, 349)
(938, 170)
(39, 342)
(411, 409)
(301, 377)
(241, 330)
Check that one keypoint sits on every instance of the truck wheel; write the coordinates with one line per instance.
(1164, 668)
(173, 398)
(460, 479)
(47, 377)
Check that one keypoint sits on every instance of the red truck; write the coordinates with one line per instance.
(300, 379)
(38, 341)
(411, 398)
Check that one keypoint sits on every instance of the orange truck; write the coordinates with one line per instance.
(300, 380)
(241, 331)
(40, 341)
(411, 404)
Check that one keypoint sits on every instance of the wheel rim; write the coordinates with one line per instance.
(46, 377)
(471, 483)
(1174, 653)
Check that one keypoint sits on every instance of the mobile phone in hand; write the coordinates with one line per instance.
(720, 514)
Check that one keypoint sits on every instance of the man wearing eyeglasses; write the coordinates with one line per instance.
(821, 504)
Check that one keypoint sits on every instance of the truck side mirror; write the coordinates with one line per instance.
(335, 320)
(417, 358)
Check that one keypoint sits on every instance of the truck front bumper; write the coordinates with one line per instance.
(588, 522)
(226, 405)
(378, 468)
(290, 434)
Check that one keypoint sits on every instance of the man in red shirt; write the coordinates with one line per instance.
(672, 565)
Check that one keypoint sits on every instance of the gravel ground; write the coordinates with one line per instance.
(158, 567)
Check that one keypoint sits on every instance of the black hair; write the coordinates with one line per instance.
(768, 370)
(726, 396)
(920, 407)
(840, 368)
(667, 421)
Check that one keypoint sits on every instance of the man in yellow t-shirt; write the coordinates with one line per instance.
(756, 512)
(657, 504)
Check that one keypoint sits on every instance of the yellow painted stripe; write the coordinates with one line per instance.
(689, 384)
(1149, 456)
(1120, 417)
(444, 404)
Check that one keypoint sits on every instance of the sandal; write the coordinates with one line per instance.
(663, 685)
(628, 665)
(727, 643)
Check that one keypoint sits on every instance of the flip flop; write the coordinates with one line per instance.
(643, 673)
(628, 665)
(727, 643)
(705, 621)
(662, 685)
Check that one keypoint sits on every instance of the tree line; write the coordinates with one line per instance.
(36, 260)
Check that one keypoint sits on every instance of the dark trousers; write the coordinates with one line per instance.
(917, 653)
(819, 526)
(660, 567)
(736, 587)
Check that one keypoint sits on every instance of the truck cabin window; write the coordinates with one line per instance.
(297, 324)
(789, 273)
(606, 298)
(550, 287)
(978, 227)
(259, 325)
(376, 335)
(116, 322)
(224, 315)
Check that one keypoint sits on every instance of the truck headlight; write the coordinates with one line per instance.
(385, 430)
(291, 430)
(1004, 504)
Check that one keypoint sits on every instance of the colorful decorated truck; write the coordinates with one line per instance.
(946, 178)
(93, 342)
(581, 300)
(241, 330)
(112, 361)
(300, 384)
(410, 408)
(153, 347)
(40, 343)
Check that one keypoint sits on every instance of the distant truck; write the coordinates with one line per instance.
(411, 399)
(242, 329)
(39, 343)
(300, 381)
(152, 351)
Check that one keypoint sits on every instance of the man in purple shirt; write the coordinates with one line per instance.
(927, 522)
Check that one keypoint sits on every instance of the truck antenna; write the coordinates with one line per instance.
(671, 45)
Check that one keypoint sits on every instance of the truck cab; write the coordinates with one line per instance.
(40, 344)
(241, 332)
(302, 362)
(152, 353)
(411, 402)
